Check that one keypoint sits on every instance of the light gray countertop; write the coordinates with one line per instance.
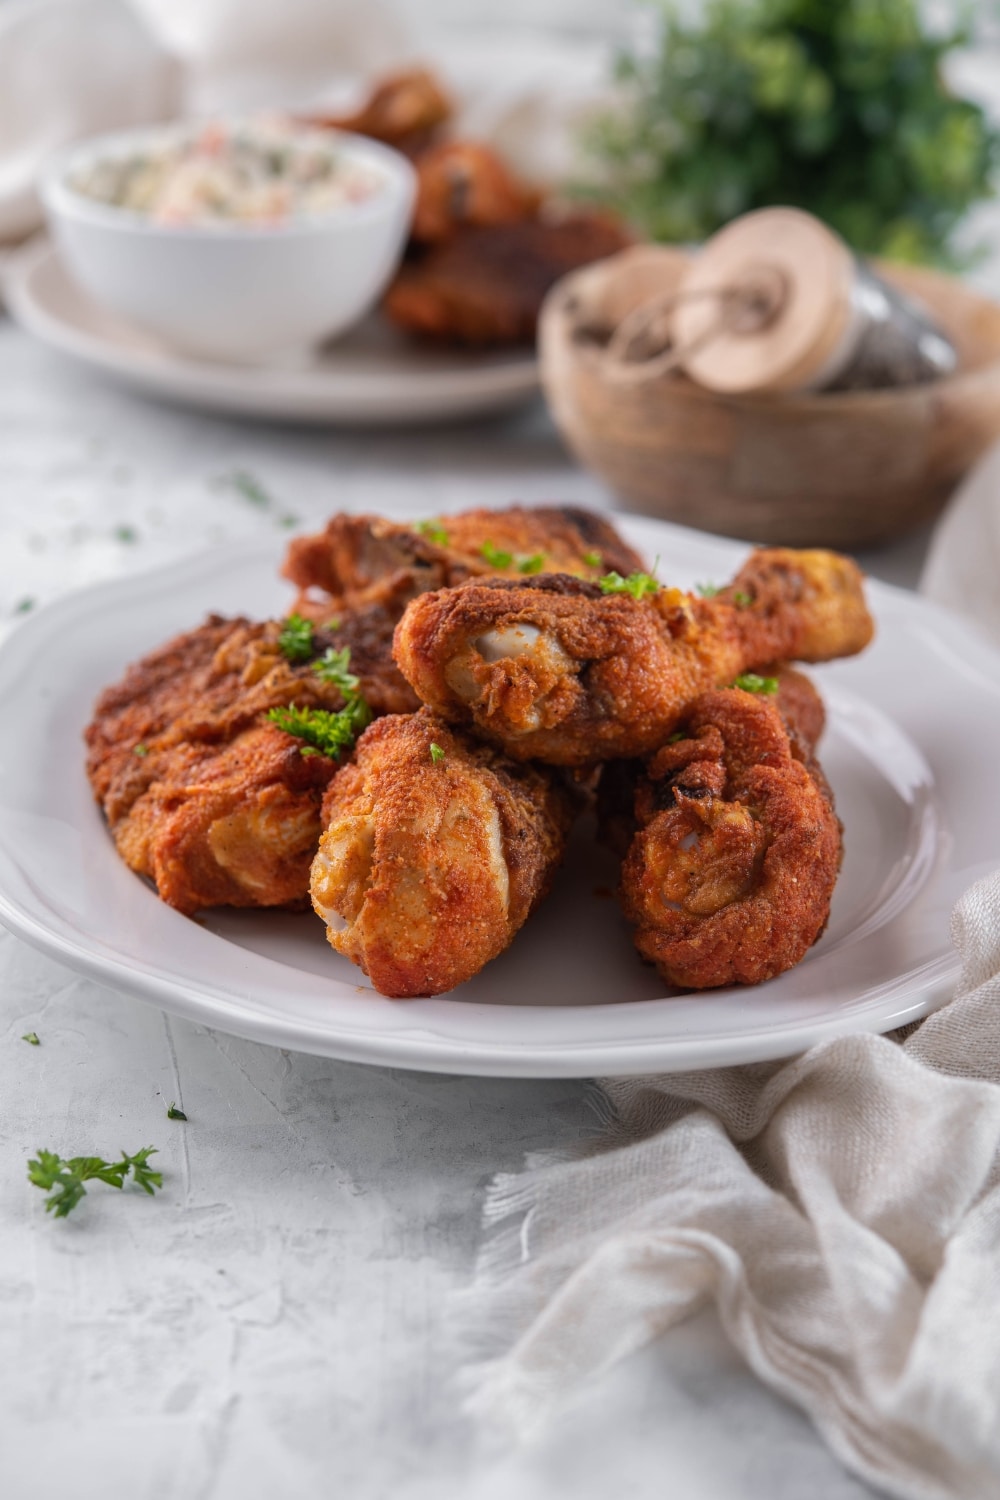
(280, 1320)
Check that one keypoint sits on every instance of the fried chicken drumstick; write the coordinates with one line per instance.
(202, 793)
(730, 876)
(433, 858)
(555, 670)
(364, 561)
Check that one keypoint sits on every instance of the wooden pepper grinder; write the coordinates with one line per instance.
(777, 302)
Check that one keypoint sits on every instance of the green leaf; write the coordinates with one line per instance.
(31, 1037)
(437, 754)
(173, 1113)
(326, 732)
(296, 639)
(636, 584)
(64, 1180)
(750, 682)
(496, 557)
(332, 667)
(533, 564)
(434, 532)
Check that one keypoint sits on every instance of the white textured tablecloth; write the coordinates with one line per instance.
(272, 1323)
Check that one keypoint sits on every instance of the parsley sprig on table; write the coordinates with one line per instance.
(636, 584)
(64, 1179)
(750, 682)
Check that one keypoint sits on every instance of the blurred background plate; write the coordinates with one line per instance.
(371, 377)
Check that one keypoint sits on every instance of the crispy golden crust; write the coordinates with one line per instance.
(190, 775)
(364, 561)
(235, 824)
(730, 876)
(427, 868)
(552, 669)
(802, 713)
(486, 285)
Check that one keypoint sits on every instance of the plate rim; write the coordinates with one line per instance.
(431, 1051)
(303, 395)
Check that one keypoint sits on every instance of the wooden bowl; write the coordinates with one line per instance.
(846, 470)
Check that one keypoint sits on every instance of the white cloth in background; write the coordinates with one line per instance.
(842, 1210)
(963, 565)
(69, 69)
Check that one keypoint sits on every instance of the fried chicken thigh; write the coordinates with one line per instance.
(202, 793)
(553, 669)
(730, 876)
(364, 561)
(486, 285)
(431, 861)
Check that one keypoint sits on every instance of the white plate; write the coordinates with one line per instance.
(905, 751)
(373, 376)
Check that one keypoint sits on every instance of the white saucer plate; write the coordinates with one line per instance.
(371, 377)
(905, 750)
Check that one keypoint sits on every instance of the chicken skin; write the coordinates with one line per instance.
(556, 670)
(363, 561)
(462, 183)
(402, 110)
(730, 877)
(436, 850)
(485, 286)
(202, 793)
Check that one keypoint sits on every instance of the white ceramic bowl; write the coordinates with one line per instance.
(235, 291)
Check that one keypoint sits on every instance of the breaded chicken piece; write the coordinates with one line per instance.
(402, 110)
(364, 560)
(190, 774)
(486, 285)
(803, 715)
(462, 183)
(430, 862)
(731, 874)
(553, 669)
(231, 824)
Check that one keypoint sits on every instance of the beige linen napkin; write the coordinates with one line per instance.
(842, 1211)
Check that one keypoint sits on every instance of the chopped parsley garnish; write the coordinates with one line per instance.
(437, 754)
(333, 668)
(676, 737)
(24, 606)
(126, 534)
(707, 590)
(333, 624)
(434, 532)
(140, 750)
(751, 683)
(636, 584)
(296, 639)
(324, 732)
(533, 564)
(64, 1180)
(593, 559)
(247, 485)
(496, 556)
(31, 1037)
(173, 1113)
(741, 599)
(286, 522)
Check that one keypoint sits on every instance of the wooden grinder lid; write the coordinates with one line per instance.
(798, 315)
